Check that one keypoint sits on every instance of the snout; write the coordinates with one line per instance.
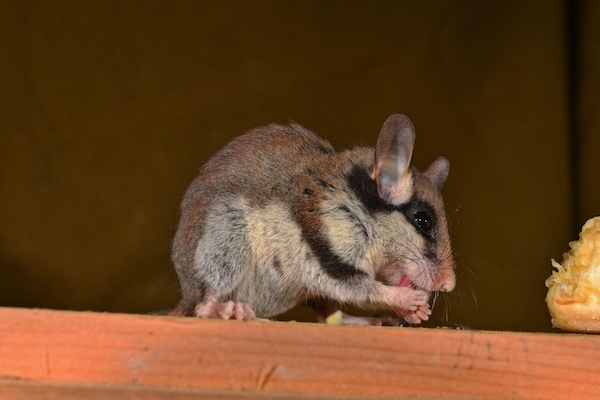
(446, 278)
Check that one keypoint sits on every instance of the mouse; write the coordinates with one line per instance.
(278, 218)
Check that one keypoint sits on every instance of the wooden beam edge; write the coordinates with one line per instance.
(275, 359)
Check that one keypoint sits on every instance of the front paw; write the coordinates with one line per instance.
(411, 304)
(417, 316)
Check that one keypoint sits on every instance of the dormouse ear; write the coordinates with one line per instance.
(392, 159)
(437, 172)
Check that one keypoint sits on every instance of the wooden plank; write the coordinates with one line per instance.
(268, 359)
(11, 389)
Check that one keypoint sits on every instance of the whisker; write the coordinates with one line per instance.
(435, 297)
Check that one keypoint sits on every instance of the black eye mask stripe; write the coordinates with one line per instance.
(365, 189)
(411, 209)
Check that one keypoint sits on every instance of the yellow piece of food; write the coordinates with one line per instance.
(335, 318)
(574, 288)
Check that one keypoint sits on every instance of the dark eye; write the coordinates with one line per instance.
(423, 221)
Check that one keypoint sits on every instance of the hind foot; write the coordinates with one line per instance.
(229, 310)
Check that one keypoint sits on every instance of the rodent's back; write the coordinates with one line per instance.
(258, 165)
(261, 163)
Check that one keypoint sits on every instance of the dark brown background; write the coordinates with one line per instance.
(110, 107)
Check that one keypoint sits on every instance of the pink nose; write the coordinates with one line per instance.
(447, 280)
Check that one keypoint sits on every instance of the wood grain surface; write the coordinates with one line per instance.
(60, 354)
